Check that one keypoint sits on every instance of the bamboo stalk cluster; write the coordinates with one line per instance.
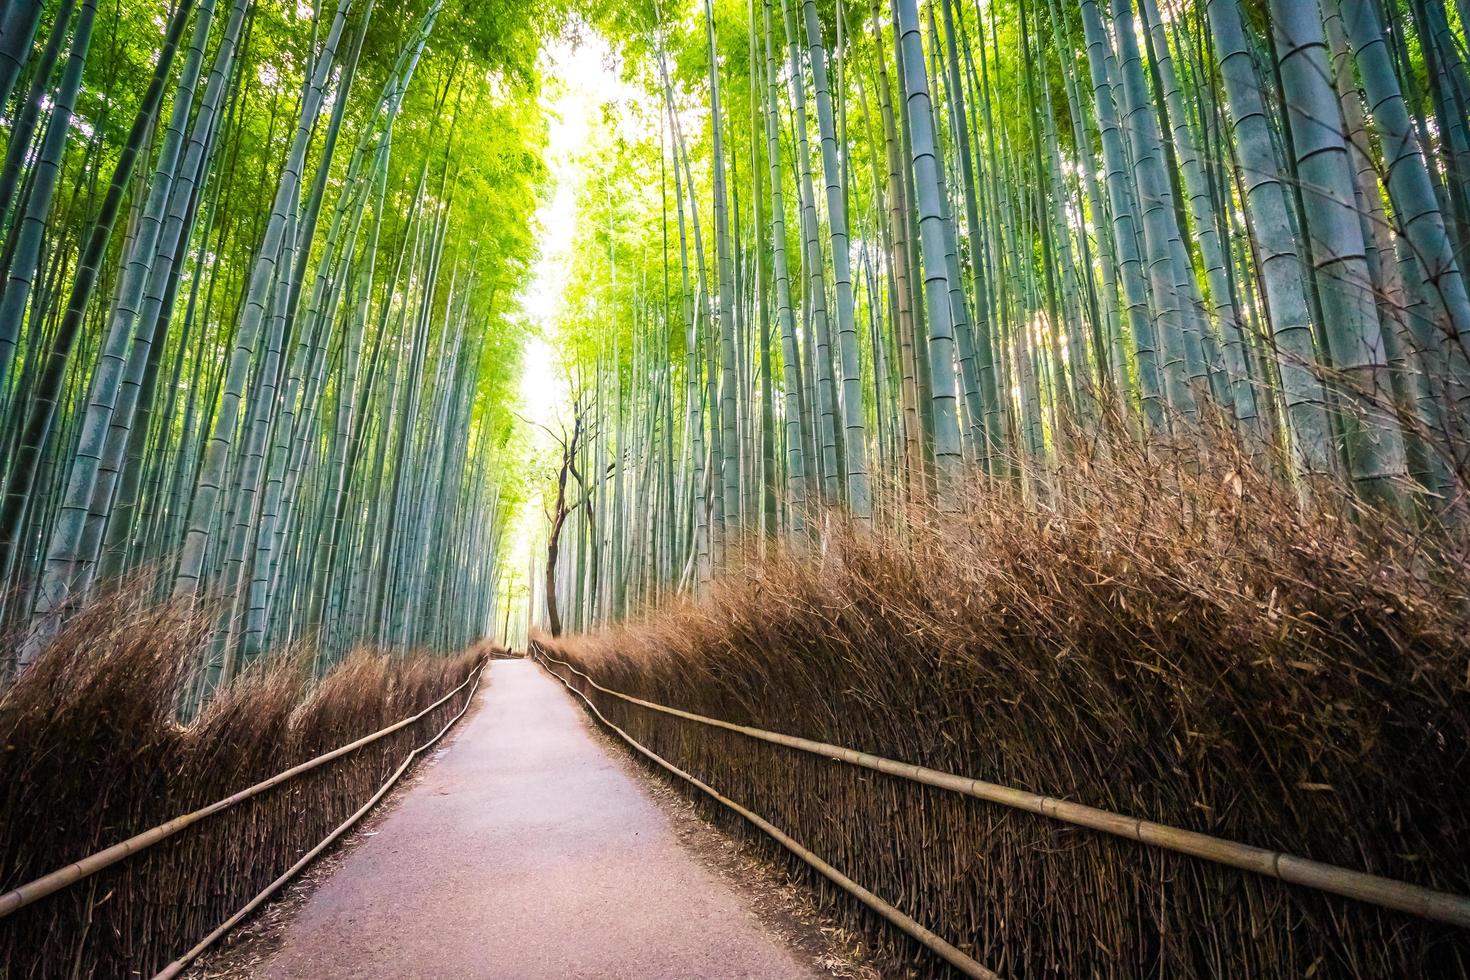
(254, 318)
(883, 253)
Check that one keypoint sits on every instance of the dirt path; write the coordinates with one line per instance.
(528, 851)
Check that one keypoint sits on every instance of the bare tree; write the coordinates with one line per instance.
(570, 444)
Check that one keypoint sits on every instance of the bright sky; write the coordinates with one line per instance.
(580, 78)
(576, 73)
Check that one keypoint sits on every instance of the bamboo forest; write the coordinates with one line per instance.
(740, 488)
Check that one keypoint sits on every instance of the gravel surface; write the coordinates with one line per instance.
(530, 851)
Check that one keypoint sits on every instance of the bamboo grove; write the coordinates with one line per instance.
(259, 270)
(861, 256)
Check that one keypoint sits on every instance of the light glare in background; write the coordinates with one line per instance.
(579, 80)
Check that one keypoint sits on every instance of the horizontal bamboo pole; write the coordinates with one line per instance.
(19, 898)
(967, 965)
(1373, 889)
(178, 966)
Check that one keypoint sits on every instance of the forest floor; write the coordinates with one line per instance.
(530, 847)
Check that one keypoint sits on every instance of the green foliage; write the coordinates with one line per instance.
(339, 334)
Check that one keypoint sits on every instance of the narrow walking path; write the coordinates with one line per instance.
(528, 851)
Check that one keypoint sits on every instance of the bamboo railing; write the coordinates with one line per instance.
(1361, 886)
(964, 963)
(33, 891)
(178, 966)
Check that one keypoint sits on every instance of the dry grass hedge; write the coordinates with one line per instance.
(91, 753)
(1187, 646)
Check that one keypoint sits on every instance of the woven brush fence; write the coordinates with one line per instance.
(1218, 662)
(92, 755)
(1025, 895)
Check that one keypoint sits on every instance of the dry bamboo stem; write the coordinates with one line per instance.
(32, 891)
(1376, 890)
